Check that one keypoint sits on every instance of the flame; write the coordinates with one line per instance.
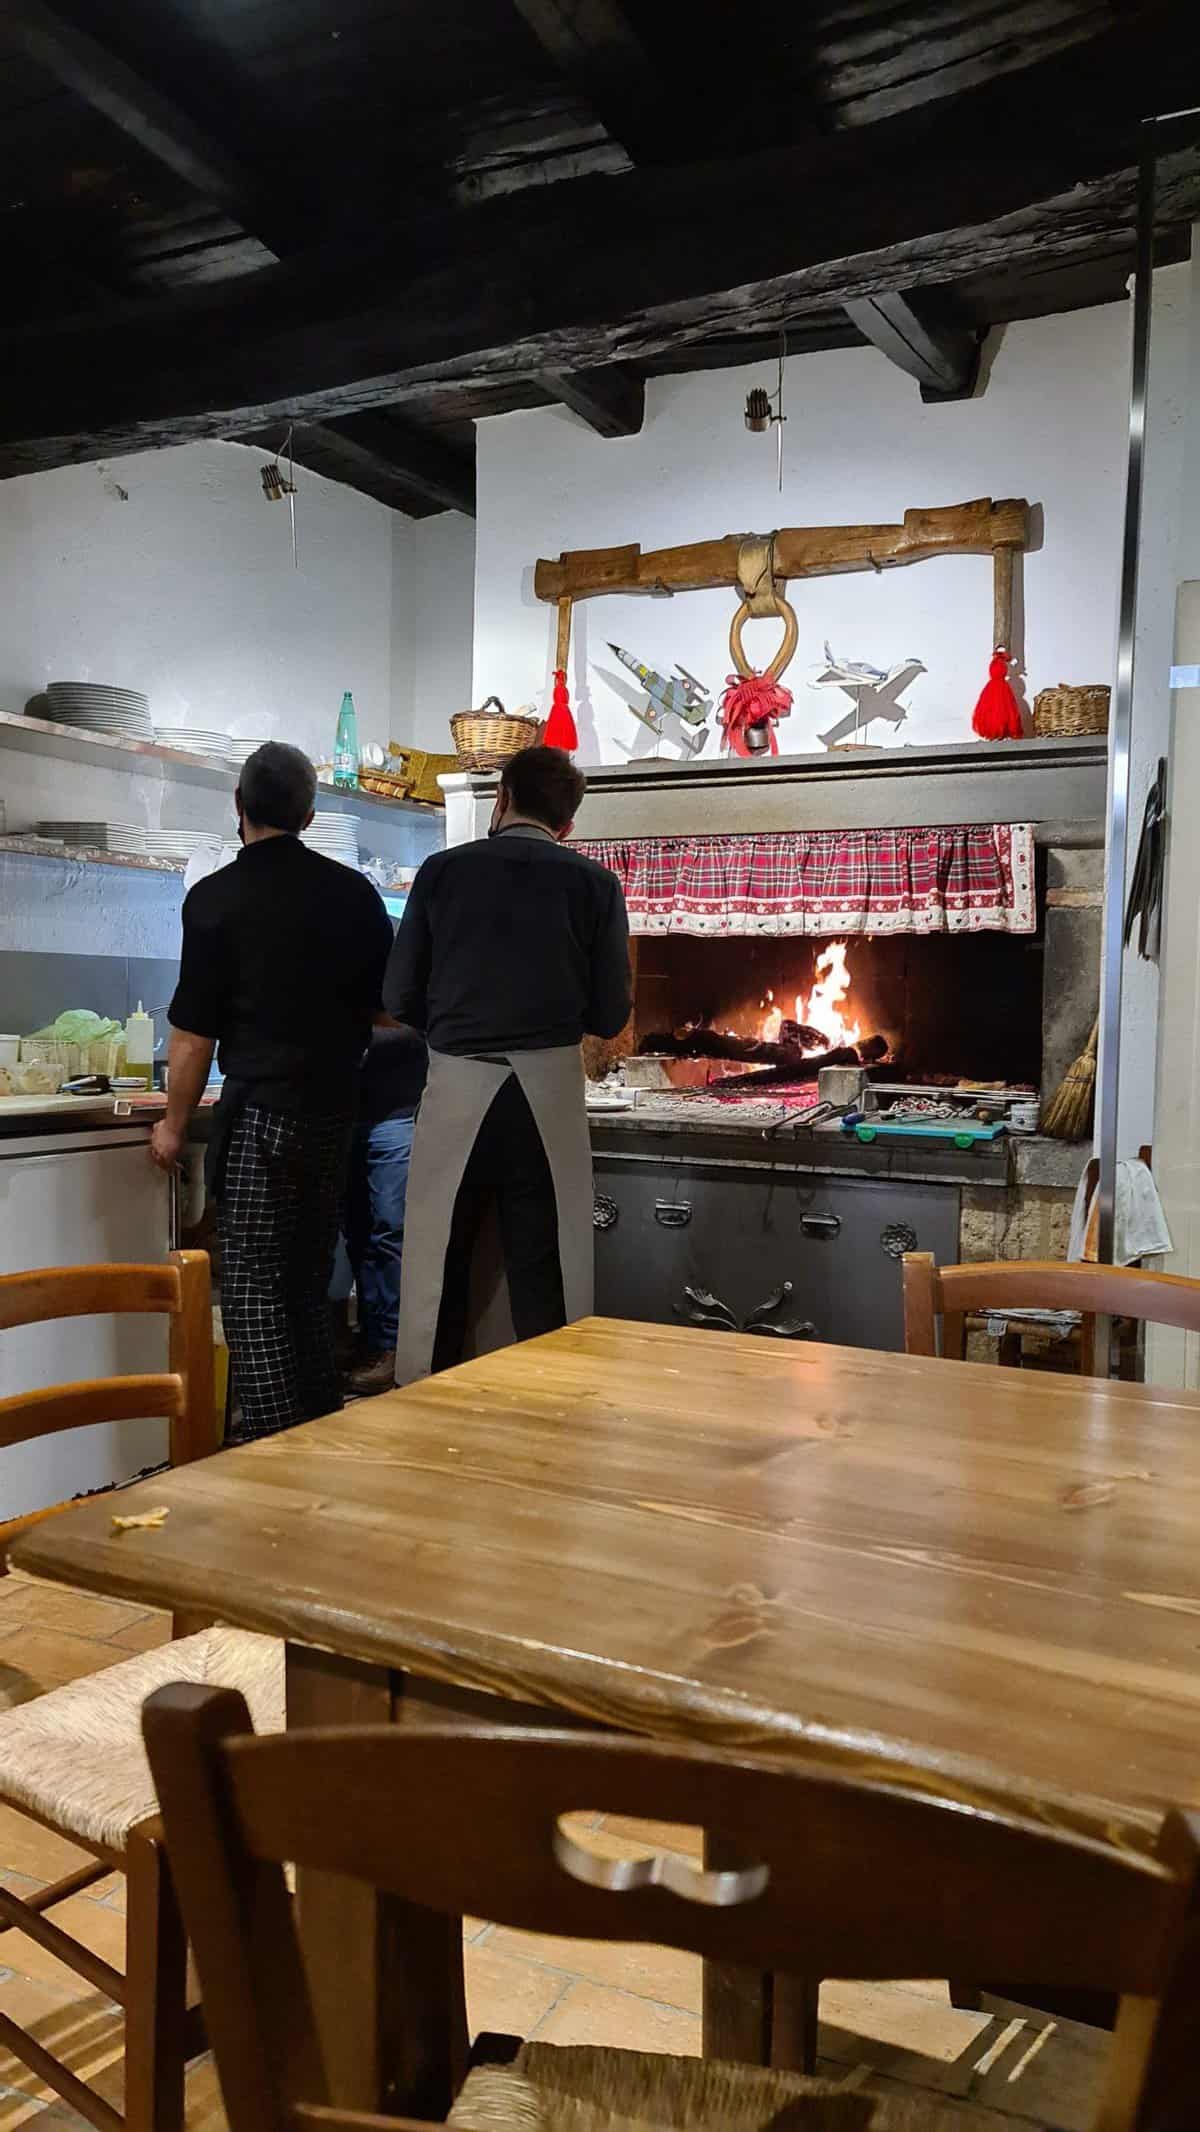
(824, 1008)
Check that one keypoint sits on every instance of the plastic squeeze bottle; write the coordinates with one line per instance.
(139, 1047)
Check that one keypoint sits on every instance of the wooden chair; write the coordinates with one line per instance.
(73, 1759)
(867, 1880)
(952, 1292)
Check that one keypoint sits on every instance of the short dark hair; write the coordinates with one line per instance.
(544, 784)
(277, 787)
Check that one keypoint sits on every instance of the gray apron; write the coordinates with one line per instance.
(458, 1095)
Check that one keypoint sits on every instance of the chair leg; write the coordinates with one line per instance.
(795, 2012)
(156, 1988)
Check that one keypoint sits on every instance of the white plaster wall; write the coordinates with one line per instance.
(184, 587)
(860, 446)
(432, 626)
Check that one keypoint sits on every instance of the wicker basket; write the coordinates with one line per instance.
(1064, 712)
(486, 740)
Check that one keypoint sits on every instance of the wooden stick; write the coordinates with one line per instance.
(978, 528)
(1002, 598)
(563, 646)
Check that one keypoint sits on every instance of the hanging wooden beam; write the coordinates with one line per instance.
(943, 359)
(978, 528)
(610, 401)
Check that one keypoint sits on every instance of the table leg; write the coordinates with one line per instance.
(386, 1976)
(750, 2016)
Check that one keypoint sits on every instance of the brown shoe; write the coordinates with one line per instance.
(375, 1373)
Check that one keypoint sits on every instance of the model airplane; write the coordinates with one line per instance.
(684, 698)
(873, 692)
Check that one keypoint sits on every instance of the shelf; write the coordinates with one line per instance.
(77, 855)
(103, 751)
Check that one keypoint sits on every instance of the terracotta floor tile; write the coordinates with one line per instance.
(83, 2029)
(144, 1634)
(53, 1606)
(508, 1995)
(590, 2013)
(100, 1928)
(27, 1848)
(52, 1656)
(903, 2019)
(659, 1973)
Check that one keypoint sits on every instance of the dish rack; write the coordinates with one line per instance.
(72, 1060)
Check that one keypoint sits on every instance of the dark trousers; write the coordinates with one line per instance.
(507, 1169)
(376, 1191)
(278, 1221)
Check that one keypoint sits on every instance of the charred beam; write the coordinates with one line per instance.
(670, 257)
(944, 359)
(594, 45)
(610, 401)
(392, 461)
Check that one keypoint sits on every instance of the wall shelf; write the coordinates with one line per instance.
(173, 766)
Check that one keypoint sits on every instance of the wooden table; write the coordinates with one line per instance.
(986, 1581)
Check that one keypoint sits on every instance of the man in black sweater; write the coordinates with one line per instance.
(509, 952)
(282, 966)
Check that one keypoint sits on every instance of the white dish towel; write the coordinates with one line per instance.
(1140, 1226)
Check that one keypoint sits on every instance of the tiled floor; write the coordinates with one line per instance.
(1016, 2069)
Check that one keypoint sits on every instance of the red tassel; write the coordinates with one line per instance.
(560, 726)
(752, 700)
(997, 714)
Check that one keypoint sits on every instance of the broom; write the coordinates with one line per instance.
(1069, 1111)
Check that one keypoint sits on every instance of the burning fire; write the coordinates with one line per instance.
(823, 1008)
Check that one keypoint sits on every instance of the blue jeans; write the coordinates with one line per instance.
(376, 1189)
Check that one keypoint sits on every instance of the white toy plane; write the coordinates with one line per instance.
(873, 693)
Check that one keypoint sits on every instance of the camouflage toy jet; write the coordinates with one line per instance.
(684, 698)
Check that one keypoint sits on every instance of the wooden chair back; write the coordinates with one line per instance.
(853, 1878)
(952, 1292)
(178, 1288)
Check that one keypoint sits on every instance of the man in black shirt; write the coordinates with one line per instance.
(282, 967)
(509, 952)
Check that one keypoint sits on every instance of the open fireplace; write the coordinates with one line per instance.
(948, 1007)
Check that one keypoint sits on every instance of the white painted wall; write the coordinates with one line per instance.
(440, 590)
(860, 446)
(183, 586)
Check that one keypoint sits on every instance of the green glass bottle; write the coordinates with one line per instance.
(345, 747)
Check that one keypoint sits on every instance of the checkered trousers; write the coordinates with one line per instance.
(278, 1220)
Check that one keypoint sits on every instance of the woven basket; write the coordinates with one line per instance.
(486, 740)
(1067, 710)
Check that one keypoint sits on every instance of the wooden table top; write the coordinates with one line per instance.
(985, 1578)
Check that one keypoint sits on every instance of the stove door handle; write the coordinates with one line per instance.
(672, 1213)
(820, 1224)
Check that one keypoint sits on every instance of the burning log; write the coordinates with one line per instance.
(701, 1043)
(786, 1073)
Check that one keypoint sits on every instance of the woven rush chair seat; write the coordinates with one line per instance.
(583, 2088)
(74, 1756)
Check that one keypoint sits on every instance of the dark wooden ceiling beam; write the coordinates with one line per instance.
(399, 465)
(593, 44)
(82, 63)
(670, 259)
(943, 358)
(612, 402)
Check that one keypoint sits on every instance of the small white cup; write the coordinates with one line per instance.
(10, 1050)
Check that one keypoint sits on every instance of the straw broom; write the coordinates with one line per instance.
(1069, 1111)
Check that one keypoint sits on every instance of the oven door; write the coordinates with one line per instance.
(738, 1234)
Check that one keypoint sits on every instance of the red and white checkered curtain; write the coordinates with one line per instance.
(973, 879)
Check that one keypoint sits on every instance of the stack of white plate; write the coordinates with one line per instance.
(239, 751)
(197, 740)
(97, 836)
(336, 835)
(95, 708)
(179, 844)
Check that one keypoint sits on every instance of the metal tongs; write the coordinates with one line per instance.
(792, 1120)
